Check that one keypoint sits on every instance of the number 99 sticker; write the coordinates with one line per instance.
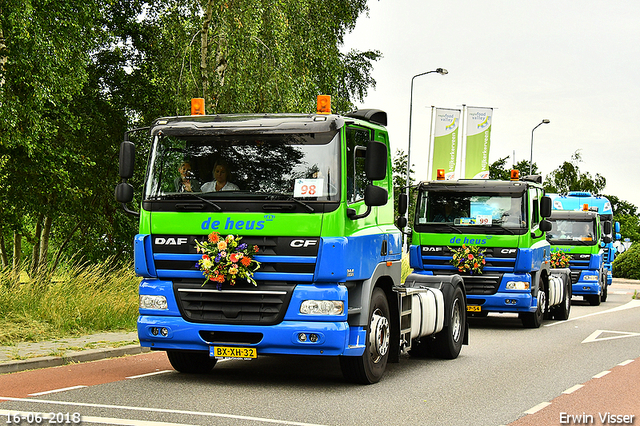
(308, 188)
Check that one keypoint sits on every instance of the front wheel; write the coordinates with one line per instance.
(191, 362)
(448, 343)
(369, 367)
(603, 298)
(534, 319)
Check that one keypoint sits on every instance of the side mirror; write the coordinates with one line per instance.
(545, 225)
(545, 206)
(127, 159)
(375, 196)
(401, 223)
(375, 161)
(124, 192)
(617, 227)
(403, 203)
(618, 236)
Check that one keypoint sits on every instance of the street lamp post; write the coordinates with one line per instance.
(440, 71)
(545, 121)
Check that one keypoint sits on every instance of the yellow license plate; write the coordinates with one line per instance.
(233, 352)
(474, 308)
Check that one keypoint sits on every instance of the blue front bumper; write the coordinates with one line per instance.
(334, 338)
(508, 301)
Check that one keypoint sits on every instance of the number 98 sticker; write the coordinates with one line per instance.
(308, 188)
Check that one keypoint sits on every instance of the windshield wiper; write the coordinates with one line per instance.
(192, 195)
(288, 198)
(451, 227)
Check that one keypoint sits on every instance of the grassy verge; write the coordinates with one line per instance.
(78, 300)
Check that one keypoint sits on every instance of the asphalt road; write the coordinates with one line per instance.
(506, 372)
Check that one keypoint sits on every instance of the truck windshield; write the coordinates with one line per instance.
(292, 165)
(502, 213)
(573, 231)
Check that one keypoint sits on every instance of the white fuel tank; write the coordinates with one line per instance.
(556, 290)
(427, 312)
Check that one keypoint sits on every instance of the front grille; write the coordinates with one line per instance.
(243, 303)
(285, 262)
(498, 261)
(575, 276)
(482, 284)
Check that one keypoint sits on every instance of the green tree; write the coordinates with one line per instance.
(399, 170)
(74, 75)
(46, 52)
(568, 177)
(500, 171)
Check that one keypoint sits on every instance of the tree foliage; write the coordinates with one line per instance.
(568, 177)
(74, 75)
(498, 169)
(627, 264)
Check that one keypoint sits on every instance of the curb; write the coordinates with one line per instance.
(75, 357)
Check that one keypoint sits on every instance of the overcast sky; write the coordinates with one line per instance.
(574, 62)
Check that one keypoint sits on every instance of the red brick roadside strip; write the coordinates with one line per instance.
(617, 394)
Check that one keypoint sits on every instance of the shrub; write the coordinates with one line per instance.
(627, 264)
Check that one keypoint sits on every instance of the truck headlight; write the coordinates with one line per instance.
(322, 307)
(517, 285)
(590, 278)
(153, 302)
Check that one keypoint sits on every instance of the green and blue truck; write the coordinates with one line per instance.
(314, 197)
(505, 223)
(575, 201)
(581, 236)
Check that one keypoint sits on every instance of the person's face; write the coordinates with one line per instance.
(220, 174)
(185, 170)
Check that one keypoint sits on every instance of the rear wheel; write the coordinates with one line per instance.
(369, 367)
(563, 310)
(448, 342)
(191, 362)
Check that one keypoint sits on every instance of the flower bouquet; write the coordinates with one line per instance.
(226, 259)
(468, 259)
(560, 259)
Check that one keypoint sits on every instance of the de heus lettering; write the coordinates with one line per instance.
(231, 224)
(466, 240)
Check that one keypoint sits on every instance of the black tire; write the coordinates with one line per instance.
(562, 311)
(534, 319)
(605, 291)
(369, 367)
(448, 342)
(191, 362)
(594, 299)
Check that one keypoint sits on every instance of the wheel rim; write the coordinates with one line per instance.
(456, 321)
(379, 336)
(542, 298)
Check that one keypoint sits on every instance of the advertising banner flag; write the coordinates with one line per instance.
(478, 142)
(445, 142)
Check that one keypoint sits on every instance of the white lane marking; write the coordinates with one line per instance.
(149, 374)
(537, 408)
(594, 337)
(160, 410)
(91, 419)
(572, 389)
(631, 304)
(600, 375)
(57, 390)
(623, 363)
